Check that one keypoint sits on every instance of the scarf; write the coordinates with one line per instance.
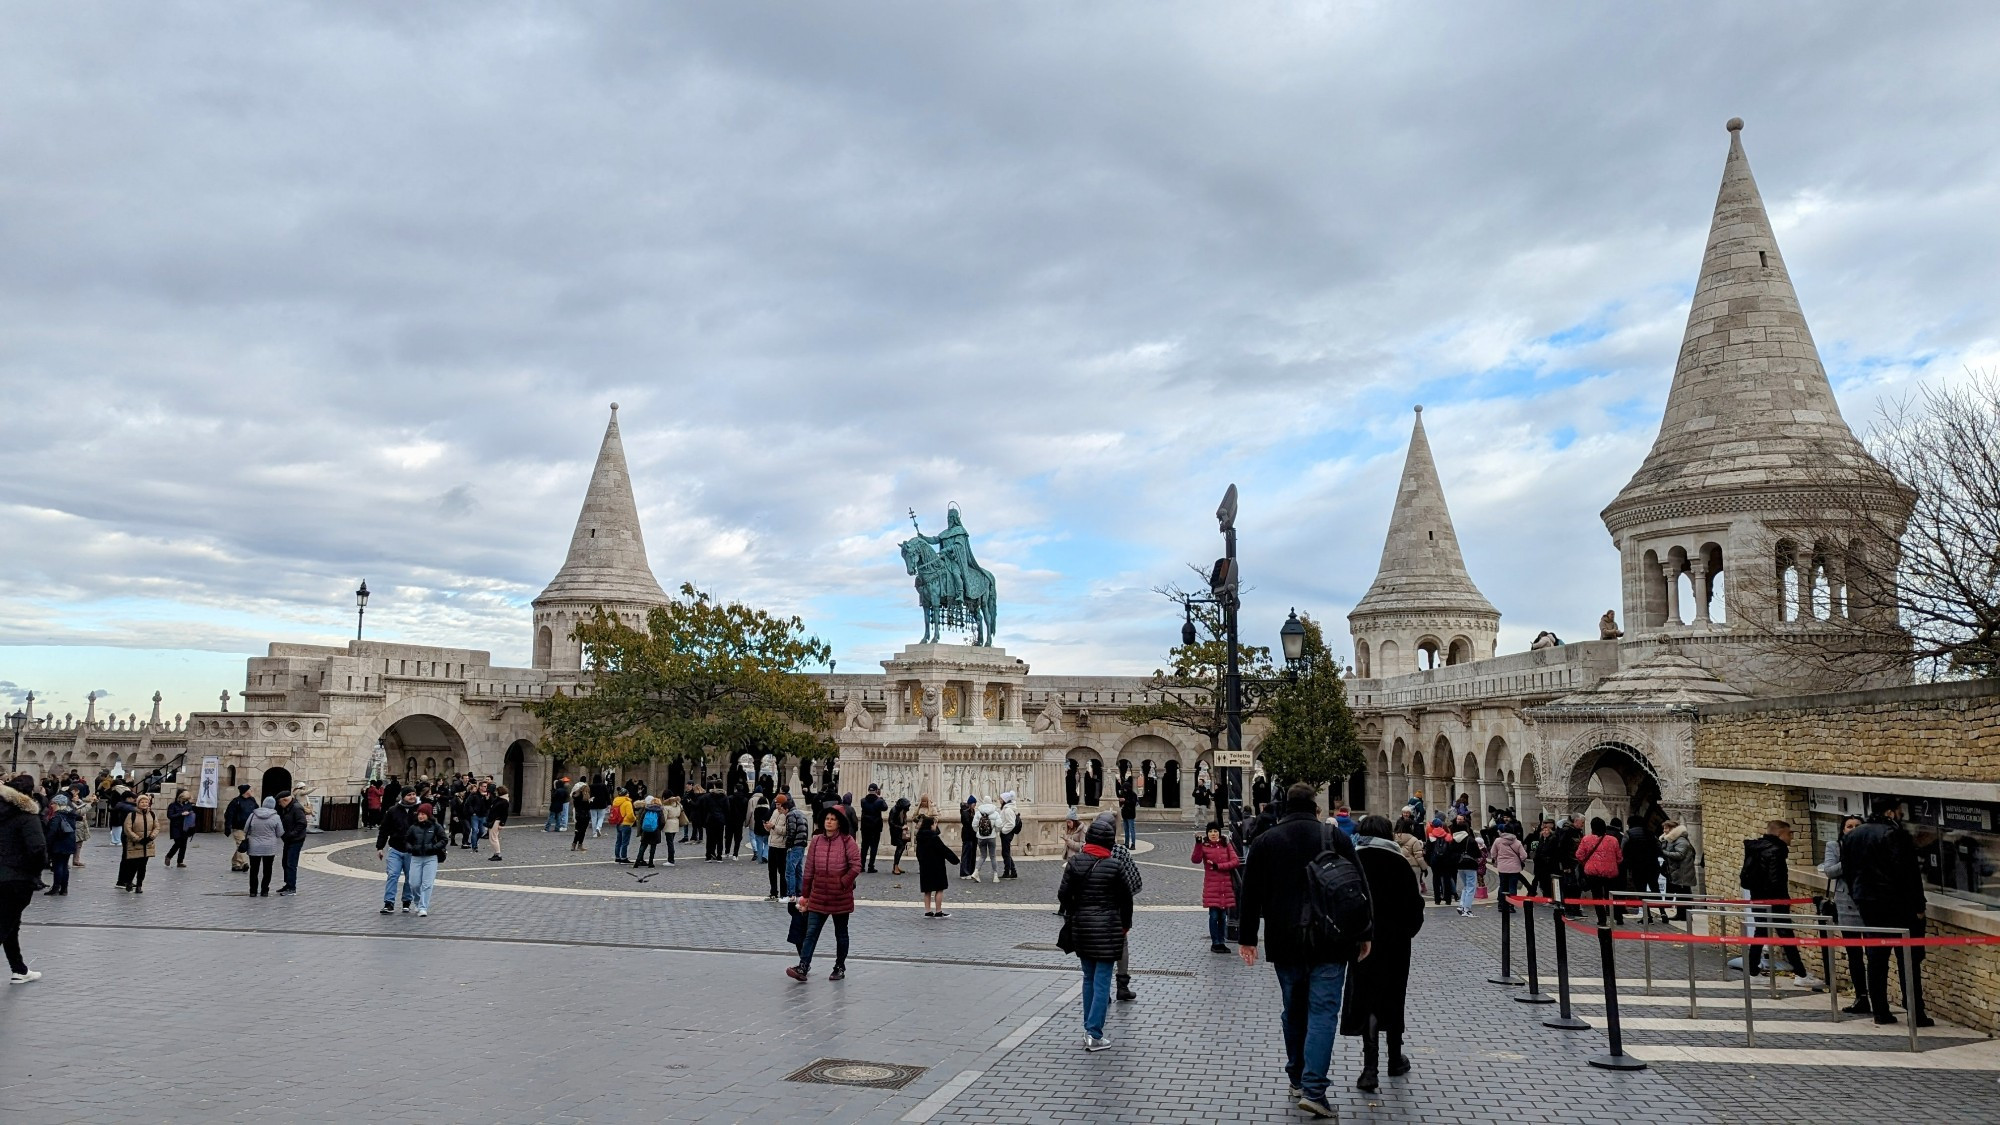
(1098, 851)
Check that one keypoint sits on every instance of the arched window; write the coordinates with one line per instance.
(1428, 654)
(1819, 589)
(1361, 658)
(1713, 594)
(1655, 586)
(1460, 651)
(1787, 566)
(1388, 654)
(545, 646)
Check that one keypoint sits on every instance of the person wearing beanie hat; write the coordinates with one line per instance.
(263, 839)
(60, 835)
(873, 809)
(235, 818)
(1073, 832)
(1096, 906)
(1009, 823)
(428, 842)
(1310, 980)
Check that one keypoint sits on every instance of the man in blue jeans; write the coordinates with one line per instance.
(1274, 887)
(392, 844)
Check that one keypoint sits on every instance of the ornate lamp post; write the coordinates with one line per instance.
(16, 722)
(360, 607)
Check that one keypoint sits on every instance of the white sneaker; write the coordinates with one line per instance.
(1098, 1045)
(1810, 981)
(1318, 1108)
(421, 913)
(670, 863)
(29, 977)
(974, 876)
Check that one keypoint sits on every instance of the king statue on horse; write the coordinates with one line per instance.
(954, 590)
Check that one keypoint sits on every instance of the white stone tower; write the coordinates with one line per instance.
(1725, 545)
(1422, 610)
(606, 564)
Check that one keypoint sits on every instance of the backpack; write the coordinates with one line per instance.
(616, 818)
(651, 822)
(1335, 910)
(985, 824)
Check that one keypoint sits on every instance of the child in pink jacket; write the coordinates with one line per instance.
(1218, 889)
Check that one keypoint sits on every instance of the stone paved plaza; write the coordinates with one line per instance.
(555, 987)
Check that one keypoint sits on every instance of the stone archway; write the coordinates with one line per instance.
(1083, 777)
(1616, 780)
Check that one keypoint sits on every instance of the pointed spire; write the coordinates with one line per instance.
(1421, 566)
(607, 554)
(1750, 404)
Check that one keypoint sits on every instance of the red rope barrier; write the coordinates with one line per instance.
(1657, 904)
(1677, 938)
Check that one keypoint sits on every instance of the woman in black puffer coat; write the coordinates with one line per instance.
(1097, 906)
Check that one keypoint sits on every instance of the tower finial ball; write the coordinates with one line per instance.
(1420, 410)
(1735, 125)
(614, 407)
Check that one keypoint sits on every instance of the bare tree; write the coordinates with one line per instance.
(1876, 573)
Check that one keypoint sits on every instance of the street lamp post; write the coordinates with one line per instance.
(16, 722)
(360, 607)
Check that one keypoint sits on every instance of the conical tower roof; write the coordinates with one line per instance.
(607, 554)
(1750, 407)
(1421, 568)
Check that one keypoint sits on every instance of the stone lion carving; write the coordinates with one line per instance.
(1050, 719)
(856, 717)
(931, 707)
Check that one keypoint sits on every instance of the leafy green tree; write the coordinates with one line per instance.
(1312, 736)
(1190, 695)
(702, 677)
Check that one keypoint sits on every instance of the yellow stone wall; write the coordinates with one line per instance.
(1934, 732)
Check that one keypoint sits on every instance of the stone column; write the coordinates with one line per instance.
(1698, 572)
(930, 775)
(1672, 573)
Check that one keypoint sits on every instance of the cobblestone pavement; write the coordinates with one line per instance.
(576, 992)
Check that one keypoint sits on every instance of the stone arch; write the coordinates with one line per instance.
(1529, 785)
(1472, 787)
(1430, 653)
(1443, 760)
(1149, 754)
(1498, 790)
(1083, 776)
(545, 646)
(1459, 651)
(1361, 658)
(425, 727)
(1389, 657)
(1609, 773)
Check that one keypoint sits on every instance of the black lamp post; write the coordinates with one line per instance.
(1294, 637)
(16, 722)
(360, 607)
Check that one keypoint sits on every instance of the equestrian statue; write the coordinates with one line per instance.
(954, 590)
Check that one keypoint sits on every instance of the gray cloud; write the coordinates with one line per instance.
(300, 294)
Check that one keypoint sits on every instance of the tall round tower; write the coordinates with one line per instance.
(1738, 539)
(1422, 610)
(606, 566)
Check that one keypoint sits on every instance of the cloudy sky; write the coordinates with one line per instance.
(295, 294)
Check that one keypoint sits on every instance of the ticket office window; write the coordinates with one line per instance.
(1958, 846)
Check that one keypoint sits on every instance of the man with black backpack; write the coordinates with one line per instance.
(1304, 877)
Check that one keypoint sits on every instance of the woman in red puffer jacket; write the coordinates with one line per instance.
(1218, 887)
(826, 889)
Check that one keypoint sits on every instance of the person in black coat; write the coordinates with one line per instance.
(872, 809)
(180, 826)
(1878, 860)
(1766, 874)
(739, 811)
(967, 838)
(23, 855)
(899, 833)
(714, 823)
(292, 814)
(1642, 864)
(934, 863)
(1096, 904)
(1376, 994)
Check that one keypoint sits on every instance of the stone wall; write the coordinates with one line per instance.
(1935, 732)
(1943, 732)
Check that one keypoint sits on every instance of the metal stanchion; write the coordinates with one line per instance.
(1646, 921)
(1693, 1010)
(1534, 995)
(1563, 1020)
(1615, 1058)
(1749, 1020)
(1907, 959)
(1506, 976)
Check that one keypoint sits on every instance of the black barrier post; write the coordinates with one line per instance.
(1616, 1058)
(1506, 976)
(1563, 1020)
(1534, 995)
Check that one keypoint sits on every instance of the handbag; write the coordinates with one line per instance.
(1066, 937)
